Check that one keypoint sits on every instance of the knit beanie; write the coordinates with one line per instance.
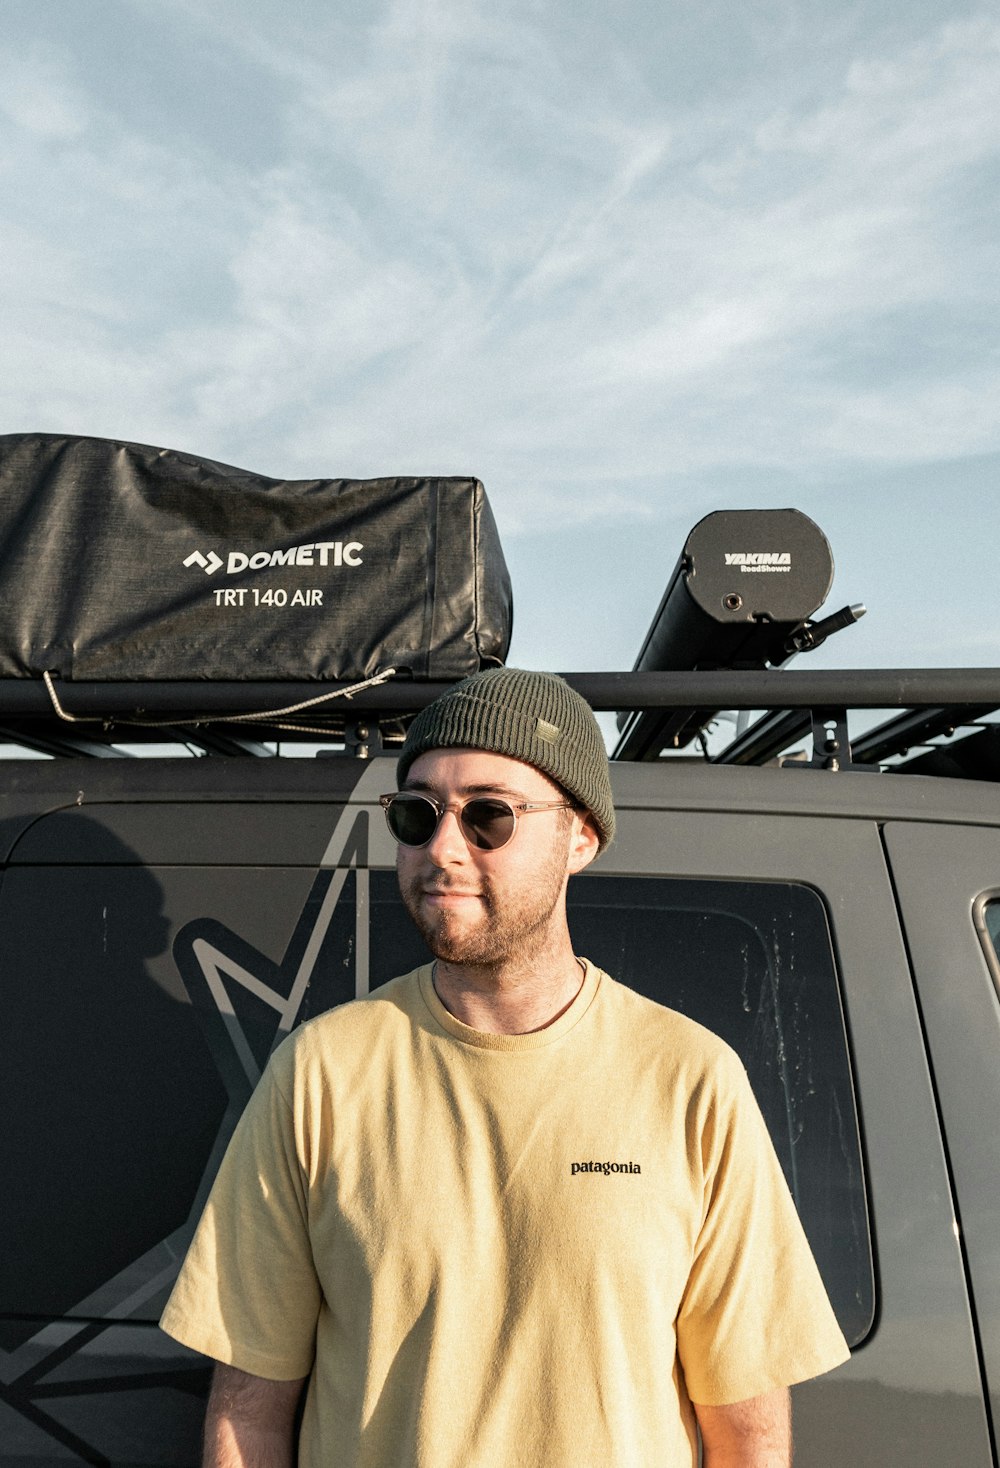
(534, 717)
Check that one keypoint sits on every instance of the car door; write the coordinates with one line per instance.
(948, 882)
(912, 1391)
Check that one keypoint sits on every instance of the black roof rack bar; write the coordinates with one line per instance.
(647, 732)
(52, 741)
(791, 689)
(770, 689)
(916, 726)
(974, 756)
(210, 739)
(766, 738)
(769, 735)
(194, 701)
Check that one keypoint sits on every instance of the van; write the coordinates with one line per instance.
(807, 890)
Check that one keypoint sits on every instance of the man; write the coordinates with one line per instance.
(505, 1211)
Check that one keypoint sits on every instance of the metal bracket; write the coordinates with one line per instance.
(831, 743)
(362, 740)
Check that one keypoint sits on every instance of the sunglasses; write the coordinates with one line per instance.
(488, 822)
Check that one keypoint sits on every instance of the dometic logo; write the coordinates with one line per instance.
(209, 564)
(760, 560)
(605, 1167)
(319, 553)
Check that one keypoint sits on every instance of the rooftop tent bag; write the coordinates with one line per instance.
(121, 562)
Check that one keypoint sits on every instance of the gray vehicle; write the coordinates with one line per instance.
(165, 921)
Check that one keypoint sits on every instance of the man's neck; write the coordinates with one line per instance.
(512, 998)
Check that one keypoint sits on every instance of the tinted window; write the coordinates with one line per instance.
(753, 961)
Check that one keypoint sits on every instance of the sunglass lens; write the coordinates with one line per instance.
(488, 824)
(412, 819)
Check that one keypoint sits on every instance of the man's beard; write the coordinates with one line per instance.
(510, 924)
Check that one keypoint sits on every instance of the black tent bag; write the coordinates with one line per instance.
(121, 562)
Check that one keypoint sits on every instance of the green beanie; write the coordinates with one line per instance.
(534, 717)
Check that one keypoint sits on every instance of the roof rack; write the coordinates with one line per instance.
(740, 604)
(928, 703)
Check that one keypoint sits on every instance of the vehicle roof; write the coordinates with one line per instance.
(36, 786)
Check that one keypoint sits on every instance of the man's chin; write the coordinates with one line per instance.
(451, 942)
(452, 947)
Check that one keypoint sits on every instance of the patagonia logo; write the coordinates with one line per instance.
(605, 1167)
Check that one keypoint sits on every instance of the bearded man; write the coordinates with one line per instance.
(402, 1226)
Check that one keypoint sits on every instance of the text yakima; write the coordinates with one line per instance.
(316, 553)
(760, 562)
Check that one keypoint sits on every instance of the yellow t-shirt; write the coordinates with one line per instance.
(505, 1249)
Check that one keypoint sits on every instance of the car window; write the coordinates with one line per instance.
(754, 962)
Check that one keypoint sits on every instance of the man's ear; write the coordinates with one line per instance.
(584, 842)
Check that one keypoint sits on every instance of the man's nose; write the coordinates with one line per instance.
(448, 844)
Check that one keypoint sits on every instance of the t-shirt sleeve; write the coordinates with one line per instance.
(755, 1315)
(247, 1293)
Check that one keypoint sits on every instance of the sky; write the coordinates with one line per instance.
(626, 263)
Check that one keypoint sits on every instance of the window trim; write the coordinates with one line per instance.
(981, 926)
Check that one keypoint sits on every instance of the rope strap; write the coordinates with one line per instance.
(261, 715)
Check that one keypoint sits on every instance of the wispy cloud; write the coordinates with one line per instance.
(39, 96)
(493, 242)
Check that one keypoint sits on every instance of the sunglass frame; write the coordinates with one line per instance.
(513, 808)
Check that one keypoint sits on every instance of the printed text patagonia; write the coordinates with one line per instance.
(605, 1167)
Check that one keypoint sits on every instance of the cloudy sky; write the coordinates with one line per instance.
(628, 263)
